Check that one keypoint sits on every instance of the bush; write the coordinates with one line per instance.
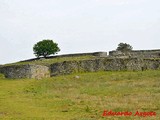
(124, 47)
(2, 76)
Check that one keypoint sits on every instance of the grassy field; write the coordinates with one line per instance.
(81, 96)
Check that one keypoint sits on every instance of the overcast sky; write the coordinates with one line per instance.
(77, 25)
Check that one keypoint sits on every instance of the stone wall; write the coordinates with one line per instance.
(39, 71)
(25, 71)
(116, 61)
(104, 64)
(96, 54)
(69, 67)
(135, 54)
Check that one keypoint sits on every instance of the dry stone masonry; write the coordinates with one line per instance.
(115, 61)
(135, 54)
(104, 64)
(25, 71)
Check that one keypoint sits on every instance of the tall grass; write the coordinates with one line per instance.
(81, 98)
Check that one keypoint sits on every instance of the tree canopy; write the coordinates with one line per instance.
(45, 48)
(124, 47)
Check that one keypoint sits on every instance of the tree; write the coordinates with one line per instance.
(45, 48)
(124, 47)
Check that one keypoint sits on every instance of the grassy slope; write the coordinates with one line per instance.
(70, 98)
(54, 60)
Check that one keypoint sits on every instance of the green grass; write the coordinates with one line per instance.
(54, 60)
(84, 98)
(2, 76)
